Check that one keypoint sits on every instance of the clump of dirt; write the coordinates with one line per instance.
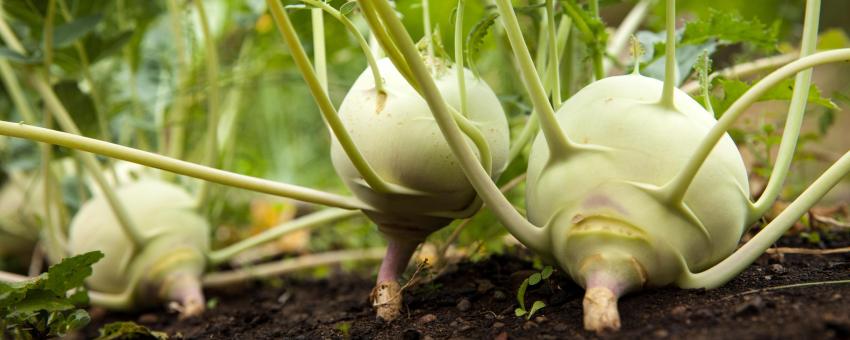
(477, 300)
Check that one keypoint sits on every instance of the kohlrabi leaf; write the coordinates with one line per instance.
(41, 307)
(686, 57)
(129, 330)
(833, 38)
(475, 39)
(67, 34)
(730, 28)
(592, 30)
(733, 89)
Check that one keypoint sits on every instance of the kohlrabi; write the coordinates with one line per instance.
(20, 203)
(633, 184)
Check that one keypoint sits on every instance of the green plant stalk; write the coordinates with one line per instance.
(319, 56)
(150, 159)
(749, 252)
(584, 28)
(211, 156)
(796, 111)
(46, 152)
(461, 76)
(542, 44)
(426, 23)
(676, 188)
(528, 233)
(626, 29)
(302, 223)
(126, 52)
(380, 34)
(48, 36)
(220, 279)
(175, 120)
(598, 60)
(325, 106)
(554, 61)
(364, 45)
(670, 55)
(559, 143)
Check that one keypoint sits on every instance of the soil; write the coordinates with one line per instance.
(477, 300)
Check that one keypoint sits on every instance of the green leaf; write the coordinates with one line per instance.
(475, 39)
(520, 293)
(547, 272)
(35, 58)
(734, 89)
(71, 272)
(66, 34)
(129, 330)
(534, 279)
(347, 7)
(520, 312)
(730, 28)
(535, 307)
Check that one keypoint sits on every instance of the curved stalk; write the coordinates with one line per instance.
(559, 143)
(670, 56)
(461, 74)
(529, 234)
(325, 106)
(306, 222)
(796, 111)
(624, 32)
(379, 32)
(213, 97)
(739, 260)
(285, 266)
(677, 187)
(107, 149)
(364, 45)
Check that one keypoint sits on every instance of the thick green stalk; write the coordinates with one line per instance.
(426, 25)
(670, 55)
(677, 187)
(364, 45)
(211, 143)
(583, 27)
(554, 60)
(749, 252)
(150, 159)
(379, 32)
(325, 106)
(306, 222)
(175, 121)
(796, 111)
(559, 144)
(461, 74)
(320, 59)
(529, 234)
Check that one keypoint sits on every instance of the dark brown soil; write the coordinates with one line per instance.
(478, 300)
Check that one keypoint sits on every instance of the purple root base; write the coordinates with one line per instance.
(386, 297)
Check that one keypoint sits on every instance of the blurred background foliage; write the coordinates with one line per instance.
(121, 58)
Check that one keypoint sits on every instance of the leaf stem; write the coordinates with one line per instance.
(178, 166)
(211, 151)
(175, 120)
(677, 187)
(426, 25)
(554, 60)
(626, 29)
(319, 56)
(310, 221)
(670, 56)
(461, 71)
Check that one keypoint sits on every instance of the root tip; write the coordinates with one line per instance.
(600, 310)
(386, 299)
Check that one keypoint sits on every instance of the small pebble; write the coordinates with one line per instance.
(777, 268)
(464, 305)
(529, 325)
(661, 333)
(540, 319)
(499, 295)
(498, 325)
(427, 318)
(678, 311)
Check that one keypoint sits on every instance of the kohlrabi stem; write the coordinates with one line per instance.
(625, 31)
(745, 69)
(213, 96)
(677, 187)
(306, 222)
(540, 51)
(107, 149)
(364, 45)
(529, 234)
(559, 143)
(596, 53)
(175, 120)
(554, 60)
(320, 60)
(461, 71)
(323, 101)
(670, 56)
(426, 26)
(796, 111)
(749, 252)
(220, 279)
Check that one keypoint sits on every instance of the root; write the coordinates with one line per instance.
(185, 295)
(386, 299)
(600, 310)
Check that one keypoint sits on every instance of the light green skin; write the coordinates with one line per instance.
(602, 202)
(21, 206)
(176, 239)
(404, 145)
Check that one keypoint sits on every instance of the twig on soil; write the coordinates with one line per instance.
(831, 221)
(290, 265)
(796, 285)
(807, 251)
